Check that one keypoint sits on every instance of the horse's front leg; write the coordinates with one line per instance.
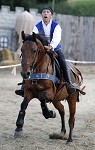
(43, 97)
(20, 119)
(46, 112)
(72, 109)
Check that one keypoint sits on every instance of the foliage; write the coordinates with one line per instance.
(82, 7)
(72, 7)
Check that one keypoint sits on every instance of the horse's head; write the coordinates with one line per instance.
(32, 53)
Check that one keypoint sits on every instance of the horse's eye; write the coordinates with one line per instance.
(33, 51)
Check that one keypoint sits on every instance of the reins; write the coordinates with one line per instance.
(33, 69)
(34, 62)
(40, 66)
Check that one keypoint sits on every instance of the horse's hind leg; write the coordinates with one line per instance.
(72, 109)
(61, 135)
(60, 108)
(20, 119)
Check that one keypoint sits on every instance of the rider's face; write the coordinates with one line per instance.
(46, 16)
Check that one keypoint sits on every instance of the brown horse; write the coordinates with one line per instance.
(41, 82)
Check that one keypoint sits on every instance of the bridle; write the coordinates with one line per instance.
(28, 64)
(34, 66)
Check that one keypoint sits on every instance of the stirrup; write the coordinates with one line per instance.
(71, 88)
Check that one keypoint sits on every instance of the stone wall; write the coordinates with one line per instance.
(7, 23)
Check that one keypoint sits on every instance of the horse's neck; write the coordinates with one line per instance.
(44, 63)
(41, 56)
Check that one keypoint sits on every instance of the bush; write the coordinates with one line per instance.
(78, 8)
(71, 7)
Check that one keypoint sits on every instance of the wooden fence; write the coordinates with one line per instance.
(78, 37)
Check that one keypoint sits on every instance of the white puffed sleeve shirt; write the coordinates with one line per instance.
(56, 34)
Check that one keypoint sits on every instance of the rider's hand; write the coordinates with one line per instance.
(48, 48)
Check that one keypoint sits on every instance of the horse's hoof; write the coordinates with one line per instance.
(18, 133)
(52, 114)
(69, 140)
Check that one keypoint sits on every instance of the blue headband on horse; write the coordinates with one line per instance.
(49, 8)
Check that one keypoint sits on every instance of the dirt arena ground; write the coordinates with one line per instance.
(36, 128)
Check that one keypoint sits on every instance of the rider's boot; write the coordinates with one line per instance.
(20, 92)
(66, 73)
(70, 86)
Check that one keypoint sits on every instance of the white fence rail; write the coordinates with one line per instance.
(17, 65)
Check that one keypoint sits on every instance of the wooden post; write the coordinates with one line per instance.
(53, 4)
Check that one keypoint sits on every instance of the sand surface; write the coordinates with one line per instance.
(36, 128)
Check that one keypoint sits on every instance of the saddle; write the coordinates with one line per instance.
(58, 70)
(72, 69)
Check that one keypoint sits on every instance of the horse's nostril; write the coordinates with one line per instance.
(28, 73)
(25, 75)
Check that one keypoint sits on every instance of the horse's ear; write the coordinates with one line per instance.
(34, 36)
(35, 39)
(38, 41)
(23, 35)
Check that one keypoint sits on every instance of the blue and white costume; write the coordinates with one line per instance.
(52, 32)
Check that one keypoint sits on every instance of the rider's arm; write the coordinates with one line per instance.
(56, 37)
(35, 30)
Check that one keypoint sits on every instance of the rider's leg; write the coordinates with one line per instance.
(21, 90)
(66, 73)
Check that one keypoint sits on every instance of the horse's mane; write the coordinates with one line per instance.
(40, 37)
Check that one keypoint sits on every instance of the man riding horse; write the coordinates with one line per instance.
(52, 31)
